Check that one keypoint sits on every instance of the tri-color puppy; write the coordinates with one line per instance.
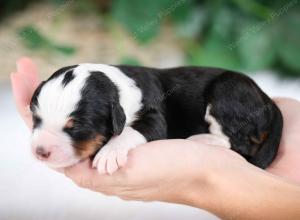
(104, 111)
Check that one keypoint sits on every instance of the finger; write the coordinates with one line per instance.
(210, 139)
(22, 97)
(27, 68)
(20, 90)
(24, 82)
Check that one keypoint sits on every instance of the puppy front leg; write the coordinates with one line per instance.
(113, 155)
(150, 126)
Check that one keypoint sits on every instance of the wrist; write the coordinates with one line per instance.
(200, 183)
(214, 186)
(246, 192)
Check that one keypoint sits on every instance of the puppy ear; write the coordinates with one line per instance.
(118, 118)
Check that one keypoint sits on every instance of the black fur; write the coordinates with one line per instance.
(246, 113)
(37, 121)
(69, 76)
(61, 71)
(174, 106)
(175, 101)
(97, 114)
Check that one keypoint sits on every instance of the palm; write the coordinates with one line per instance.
(287, 164)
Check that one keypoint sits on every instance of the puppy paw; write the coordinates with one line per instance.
(109, 159)
(114, 154)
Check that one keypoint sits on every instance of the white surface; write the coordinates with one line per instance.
(29, 190)
(276, 86)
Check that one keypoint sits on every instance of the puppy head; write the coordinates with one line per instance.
(74, 113)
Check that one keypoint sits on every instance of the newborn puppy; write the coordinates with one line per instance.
(104, 111)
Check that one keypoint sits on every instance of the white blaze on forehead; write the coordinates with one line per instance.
(56, 102)
(130, 96)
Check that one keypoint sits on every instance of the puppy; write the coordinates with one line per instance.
(103, 111)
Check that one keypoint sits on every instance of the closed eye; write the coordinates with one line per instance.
(37, 121)
(79, 131)
(70, 124)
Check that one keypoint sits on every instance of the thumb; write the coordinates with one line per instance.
(22, 97)
(28, 69)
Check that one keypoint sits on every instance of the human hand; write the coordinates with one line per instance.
(152, 169)
(24, 82)
(287, 162)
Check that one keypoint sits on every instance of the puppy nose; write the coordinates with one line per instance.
(42, 153)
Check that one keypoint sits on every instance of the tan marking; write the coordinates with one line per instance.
(258, 142)
(263, 136)
(88, 148)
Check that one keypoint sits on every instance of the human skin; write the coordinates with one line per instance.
(194, 172)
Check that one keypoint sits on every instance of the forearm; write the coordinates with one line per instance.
(247, 193)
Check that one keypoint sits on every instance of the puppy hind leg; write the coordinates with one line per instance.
(244, 113)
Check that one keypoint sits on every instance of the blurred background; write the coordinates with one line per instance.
(260, 38)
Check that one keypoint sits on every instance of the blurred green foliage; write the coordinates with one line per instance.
(33, 39)
(235, 34)
(144, 18)
(129, 60)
